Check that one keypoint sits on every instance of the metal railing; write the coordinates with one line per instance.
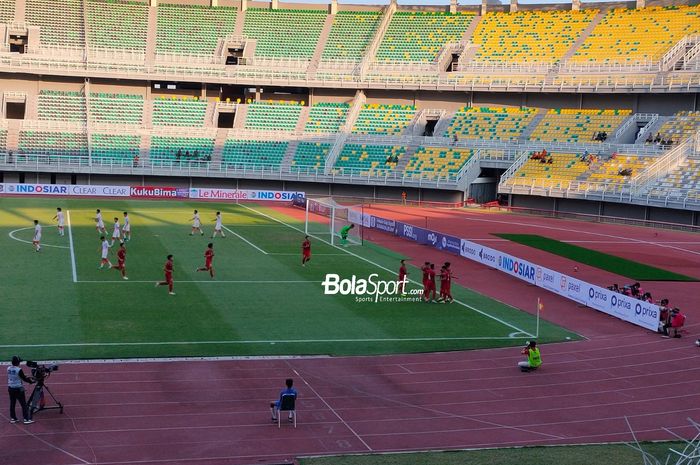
(663, 165)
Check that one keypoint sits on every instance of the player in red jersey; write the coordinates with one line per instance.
(447, 281)
(208, 259)
(430, 283)
(443, 284)
(305, 251)
(402, 277)
(425, 268)
(121, 261)
(168, 270)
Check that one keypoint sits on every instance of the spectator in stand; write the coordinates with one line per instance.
(677, 321)
(664, 314)
(196, 154)
(614, 288)
(650, 139)
(657, 139)
(136, 161)
(550, 160)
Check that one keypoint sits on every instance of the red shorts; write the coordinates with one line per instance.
(207, 264)
(306, 253)
(168, 277)
(120, 265)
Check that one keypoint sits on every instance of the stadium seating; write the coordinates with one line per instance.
(685, 176)
(350, 35)
(310, 156)
(62, 106)
(608, 171)
(166, 148)
(273, 116)
(571, 125)
(59, 26)
(117, 24)
(566, 167)
(53, 144)
(116, 108)
(683, 125)
(114, 147)
(638, 35)
(326, 117)
(253, 153)
(7, 11)
(384, 119)
(284, 33)
(364, 160)
(418, 36)
(176, 112)
(433, 162)
(3, 140)
(529, 36)
(490, 123)
(192, 29)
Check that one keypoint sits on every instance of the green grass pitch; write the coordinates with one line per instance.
(262, 302)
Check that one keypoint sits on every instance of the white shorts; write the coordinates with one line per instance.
(37, 237)
(116, 235)
(104, 255)
(60, 224)
(100, 225)
(126, 228)
(218, 227)
(195, 224)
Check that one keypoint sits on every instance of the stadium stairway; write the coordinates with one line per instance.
(20, 8)
(148, 114)
(241, 114)
(371, 52)
(653, 129)
(443, 124)
(217, 153)
(12, 138)
(584, 35)
(303, 118)
(469, 52)
(286, 163)
(152, 33)
(533, 125)
(145, 146)
(316, 58)
(240, 22)
(403, 161)
(209, 121)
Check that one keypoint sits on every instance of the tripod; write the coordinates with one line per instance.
(36, 400)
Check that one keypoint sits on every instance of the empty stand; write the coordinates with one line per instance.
(327, 117)
(490, 123)
(61, 106)
(608, 171)
(273, 116)
(368, 160)
(180, 149)
(59, 25)
(572, 125)
(52, 144)
(529, 36)
(284, 33)
(351, 34)
(638, 35)
(116, 108)
(437, 162)
(685, 177)
(117, 24)
(193, 29)
(177, 112)
(383, 119)
(118, 148)
(418, 36)
(242, 154)
(7, 11)
(683, 125)
(566, 167)
(310, 157)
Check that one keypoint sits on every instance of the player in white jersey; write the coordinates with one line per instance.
(126, 228)
(196, 224)
(36, 241)
(116, 232)
(218, 227)
(60, 220)
(99, 224)
(105, 254)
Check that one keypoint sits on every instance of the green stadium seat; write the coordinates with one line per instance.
(193, 29)
(253, 154)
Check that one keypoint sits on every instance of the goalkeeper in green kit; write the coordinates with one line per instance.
(344, 231)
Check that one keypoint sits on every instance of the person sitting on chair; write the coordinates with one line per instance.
(534, 359)
(288, 391)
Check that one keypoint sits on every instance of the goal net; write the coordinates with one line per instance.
(334, 223)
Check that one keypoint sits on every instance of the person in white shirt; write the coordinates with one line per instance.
(116, 233)
(105, 254)
(196, 224)
(99, 224)
(36, 241)
(60, 220)
(218, 227)
(126, 228)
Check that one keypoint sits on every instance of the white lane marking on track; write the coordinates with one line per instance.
(12, 236)
(387, 269)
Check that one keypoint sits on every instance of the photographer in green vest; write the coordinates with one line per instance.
(534, 359)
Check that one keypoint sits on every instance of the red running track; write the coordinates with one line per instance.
(214, 412)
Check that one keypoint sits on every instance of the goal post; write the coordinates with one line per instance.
(335, 223)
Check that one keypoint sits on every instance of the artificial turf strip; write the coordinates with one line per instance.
(604, 454)
(618, 265)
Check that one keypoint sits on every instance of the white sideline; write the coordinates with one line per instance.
(503, 322)
(72, 250)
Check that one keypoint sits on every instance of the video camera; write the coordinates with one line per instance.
(41, 372)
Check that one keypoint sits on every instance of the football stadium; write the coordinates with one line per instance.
(239, 232)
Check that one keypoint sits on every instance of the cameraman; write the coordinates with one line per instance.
(15, 376)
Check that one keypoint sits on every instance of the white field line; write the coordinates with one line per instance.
(120, 281)
(315, 254)
(12, 236)
(72, 250)
(270, 341)
(245, 240)
(503, 322)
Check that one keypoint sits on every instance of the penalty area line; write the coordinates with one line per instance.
(503, 322)
(245, 240)
(268, 341)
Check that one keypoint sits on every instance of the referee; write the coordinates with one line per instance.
(15, 376)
